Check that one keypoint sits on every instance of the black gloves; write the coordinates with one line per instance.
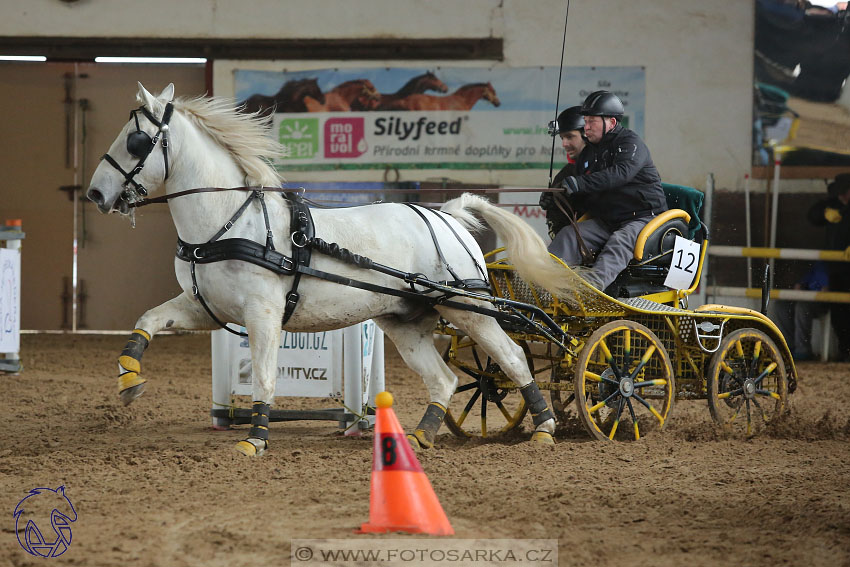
(570, 185)
(547, 199)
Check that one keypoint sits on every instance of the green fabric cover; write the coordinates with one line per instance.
(689, 200)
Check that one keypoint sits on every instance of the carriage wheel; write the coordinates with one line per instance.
(486, 402)
(623, 382)
(747, 383)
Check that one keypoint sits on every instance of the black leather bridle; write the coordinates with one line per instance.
(140, 145)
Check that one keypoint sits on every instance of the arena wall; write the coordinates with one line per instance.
(697, 57)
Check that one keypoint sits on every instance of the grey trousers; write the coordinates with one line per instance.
(613, 250)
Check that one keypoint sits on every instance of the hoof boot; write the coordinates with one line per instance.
(542, 438)
(251, 447)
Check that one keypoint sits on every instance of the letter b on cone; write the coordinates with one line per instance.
(402, 499)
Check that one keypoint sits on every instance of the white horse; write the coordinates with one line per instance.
(210, 144)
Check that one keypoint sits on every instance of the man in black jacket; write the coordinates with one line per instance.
(616, 183)
(570, 128)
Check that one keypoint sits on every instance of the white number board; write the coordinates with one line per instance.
(683, 265)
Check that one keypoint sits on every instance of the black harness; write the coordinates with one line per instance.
(304, 241)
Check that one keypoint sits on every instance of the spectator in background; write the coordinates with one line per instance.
(795, 317)
(833, 213)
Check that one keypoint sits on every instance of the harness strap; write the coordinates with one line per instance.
(442, 217)
(197, 293)
(301, 225)
(434, 238)
(229, 224)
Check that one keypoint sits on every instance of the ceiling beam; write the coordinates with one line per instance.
(87, 48)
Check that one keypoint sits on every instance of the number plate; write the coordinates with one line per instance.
(683, 266)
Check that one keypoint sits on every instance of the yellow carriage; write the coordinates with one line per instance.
(623, 361)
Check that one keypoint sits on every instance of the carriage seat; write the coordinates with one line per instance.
(659, 235)
(653, 252)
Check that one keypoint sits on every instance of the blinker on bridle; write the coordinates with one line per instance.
(140, 145)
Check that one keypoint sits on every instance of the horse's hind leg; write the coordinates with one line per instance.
(415, 344)
(487, 333)
(182, 312)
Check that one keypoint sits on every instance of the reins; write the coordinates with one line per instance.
(166, 198)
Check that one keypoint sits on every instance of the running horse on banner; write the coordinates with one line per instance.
(225, 196)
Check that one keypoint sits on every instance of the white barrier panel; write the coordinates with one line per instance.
(10, 297)
(346, 363)
(10, 300)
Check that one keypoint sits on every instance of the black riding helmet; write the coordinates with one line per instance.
(569, 119)
(602, 103)
(605, 104)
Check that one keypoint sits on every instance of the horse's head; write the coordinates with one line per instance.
(295, 91)
(489, 94)
(137, 161)
(430, 82)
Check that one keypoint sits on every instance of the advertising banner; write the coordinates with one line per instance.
(447, 118)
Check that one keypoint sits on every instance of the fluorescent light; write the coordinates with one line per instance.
(161, 60)
(23, 58)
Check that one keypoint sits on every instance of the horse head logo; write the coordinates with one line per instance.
(37, 508)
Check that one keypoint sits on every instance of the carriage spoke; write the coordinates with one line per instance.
(609, 358)
(749, 419)
(484, 417)
(643, 361)
(634, 419)
(616, 419)
(768, 394)
(627, 348)
(756, 356)
(653, 382)
(771, 367)
(739, 349)
(504, 411)
(603, 403)
(730, 393)
(466, 387)
(651, 409)
(462, 417)
(737, 411)
(761, 410)
(592, 376)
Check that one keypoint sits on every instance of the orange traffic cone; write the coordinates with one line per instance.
(401, 499)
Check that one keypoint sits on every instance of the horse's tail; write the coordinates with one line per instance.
(524, 247)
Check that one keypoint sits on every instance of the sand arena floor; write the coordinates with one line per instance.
(154, 485)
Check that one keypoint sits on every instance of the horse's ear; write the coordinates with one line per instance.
(167, 94)
(145, 98)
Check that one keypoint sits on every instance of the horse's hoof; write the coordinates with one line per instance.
(130, 387)
(251, 447)
(542, 438)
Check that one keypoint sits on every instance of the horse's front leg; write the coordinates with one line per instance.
(263, 324)
(182, 312)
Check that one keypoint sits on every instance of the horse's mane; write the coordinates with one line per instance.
(245, 136)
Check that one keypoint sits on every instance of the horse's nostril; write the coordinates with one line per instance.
(95, 196)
